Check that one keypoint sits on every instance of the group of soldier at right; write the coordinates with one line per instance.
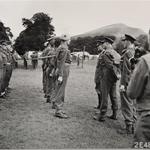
(132, 70)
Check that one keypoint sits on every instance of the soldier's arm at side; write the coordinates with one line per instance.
(126, 70)
(138, 80)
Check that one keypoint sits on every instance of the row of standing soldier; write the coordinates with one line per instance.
(56, 66)
(6, 66)
(132, 90)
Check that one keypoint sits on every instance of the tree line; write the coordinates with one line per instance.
(39, 28)
(91, 43)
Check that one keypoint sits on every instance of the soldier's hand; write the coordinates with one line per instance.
(60, 79)
(118, 76)
(122, 88)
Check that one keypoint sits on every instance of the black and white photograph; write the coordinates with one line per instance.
(74, 74)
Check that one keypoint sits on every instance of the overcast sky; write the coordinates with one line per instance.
(77, 16)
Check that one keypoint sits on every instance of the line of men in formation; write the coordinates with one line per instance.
(56, 66)
(134, 74)
(6, 66)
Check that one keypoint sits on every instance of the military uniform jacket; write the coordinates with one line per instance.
(126, 68)
(45, 60)
(98, 72)
(107, 59)
(63, 56)
(139, 85)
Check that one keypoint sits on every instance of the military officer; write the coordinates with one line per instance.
(47, 49)
(62, 73)
(110, 60)
(127, 105)
(98, 72)
(139, 89)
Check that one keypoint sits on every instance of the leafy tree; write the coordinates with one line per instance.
(37, 30)
(5, 32)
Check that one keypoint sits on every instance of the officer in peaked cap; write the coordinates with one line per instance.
(127, 105)
(109, 40)
(128, 38)
(108, 79)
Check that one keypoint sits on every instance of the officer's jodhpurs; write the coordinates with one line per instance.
(59, 92)
(108, 87)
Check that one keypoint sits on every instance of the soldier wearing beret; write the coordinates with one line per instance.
(110, 60)
(127, 106)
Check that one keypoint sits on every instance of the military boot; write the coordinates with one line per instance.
(100, 117)
(114, 115)
(128, 130)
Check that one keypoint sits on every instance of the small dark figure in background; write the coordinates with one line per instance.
(25, 58)
(34, 59)
(15, 59)
(78, 60)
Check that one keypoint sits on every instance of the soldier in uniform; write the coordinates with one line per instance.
(98, 72)
(6, 47)
(34, 59)
(45, 63)
(3, 62)
(127, 67)
(109, 62)
(62, 73)
(139, 89)
(51, 69)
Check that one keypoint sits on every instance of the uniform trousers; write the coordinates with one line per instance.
(108, 87)
(59, 89)
(128, 109)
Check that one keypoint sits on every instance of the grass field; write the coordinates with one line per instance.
(27, 121)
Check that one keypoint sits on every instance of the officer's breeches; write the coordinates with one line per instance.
(108, 86)
(59, 92)
(113, 97)
(127, 107)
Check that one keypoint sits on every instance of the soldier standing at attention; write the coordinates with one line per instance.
(34, 59)
(139, 89)
(127, 105)
(51, 68)
(62, 73)
(110, 60)
(45, 64)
